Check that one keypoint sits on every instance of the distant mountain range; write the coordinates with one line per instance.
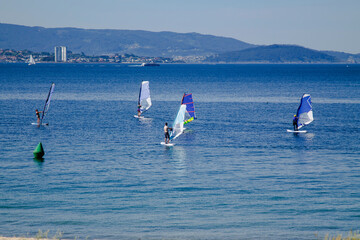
(97, 42)
(161, 44)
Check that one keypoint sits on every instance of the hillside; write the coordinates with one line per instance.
(344, 57)
(274, 54)
(97, 42)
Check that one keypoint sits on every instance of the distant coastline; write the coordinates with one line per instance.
(137, 46)
(22, 56)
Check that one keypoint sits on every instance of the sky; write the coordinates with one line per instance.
(316, 24)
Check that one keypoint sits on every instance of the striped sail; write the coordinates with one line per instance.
(190, 108)
(304, 112)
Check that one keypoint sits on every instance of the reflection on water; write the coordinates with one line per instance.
(305, 136)
(39, 161)
(177, 158)
(145, 121)
(234, 169)
(309, 136)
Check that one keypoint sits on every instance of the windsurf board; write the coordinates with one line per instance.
(167, 144)
(43, 124)
(298, 131)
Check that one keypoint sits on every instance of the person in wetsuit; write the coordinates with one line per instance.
(166, 132)
(38, 116)
(138, 110)
(295, 122)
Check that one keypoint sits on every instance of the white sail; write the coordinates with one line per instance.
(144, 96)
(178, 125)
(304, 112)
(31, 60)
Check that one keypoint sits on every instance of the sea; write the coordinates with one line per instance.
(235, 173)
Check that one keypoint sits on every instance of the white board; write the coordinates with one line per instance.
(167, 144)
(298, 131)
(136, 116)
(43, 124)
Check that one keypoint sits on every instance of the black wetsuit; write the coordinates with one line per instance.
(295, 123)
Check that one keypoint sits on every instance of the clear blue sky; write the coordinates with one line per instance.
(317, 24)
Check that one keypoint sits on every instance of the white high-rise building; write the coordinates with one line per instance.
(60, 54)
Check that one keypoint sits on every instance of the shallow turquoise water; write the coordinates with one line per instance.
(235, 174)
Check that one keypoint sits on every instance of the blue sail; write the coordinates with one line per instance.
(304, 112)
(190, 108)
(47, 102)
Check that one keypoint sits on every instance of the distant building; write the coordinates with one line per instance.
(60, 54)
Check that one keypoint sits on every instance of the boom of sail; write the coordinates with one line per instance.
(144, 96)
(190, 109)
(178, 125)
(47, 102)
(304, 112)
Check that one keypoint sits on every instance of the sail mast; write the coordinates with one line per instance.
(47, 102)
(139, 95)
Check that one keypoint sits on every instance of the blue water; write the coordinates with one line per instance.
(235, 174)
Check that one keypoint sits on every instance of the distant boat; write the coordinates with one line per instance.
(150, 65)
(31, 60)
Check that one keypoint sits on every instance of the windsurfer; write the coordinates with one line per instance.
(295, 123)
(38, 116)
(166, 132)
(138, 110)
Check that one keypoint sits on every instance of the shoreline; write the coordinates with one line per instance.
(193, 63)
(22, 238)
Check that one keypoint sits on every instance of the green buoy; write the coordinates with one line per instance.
(39, 151)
